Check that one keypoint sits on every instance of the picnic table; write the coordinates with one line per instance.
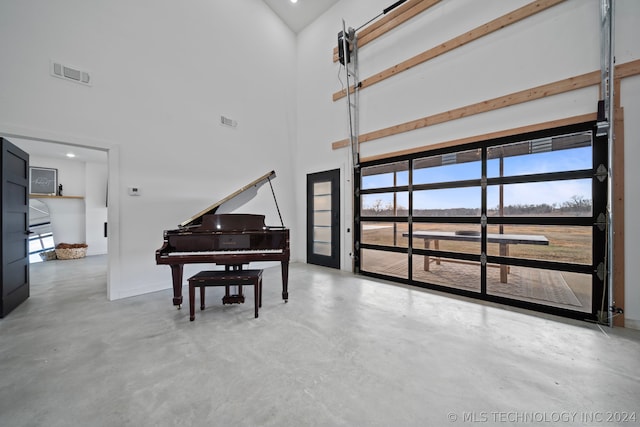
(504, 240)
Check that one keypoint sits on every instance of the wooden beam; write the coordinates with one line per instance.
(385, 24)
(377, 24)
(589, 79)
(616, 91)
(396, 21)
(626, 69)
(618, 208)
(492, 135)
(481, 31)
(515, 98)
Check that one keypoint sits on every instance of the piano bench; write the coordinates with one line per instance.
(226, 279)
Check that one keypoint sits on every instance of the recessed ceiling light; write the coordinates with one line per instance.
(70, 155)
(294, 1)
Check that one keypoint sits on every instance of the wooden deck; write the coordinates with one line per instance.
(526, 284)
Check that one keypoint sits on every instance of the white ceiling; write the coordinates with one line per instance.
(299, 15)
(59, 151)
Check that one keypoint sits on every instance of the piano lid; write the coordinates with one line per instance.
(232, 201)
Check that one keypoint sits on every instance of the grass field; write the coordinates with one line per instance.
(570, 244)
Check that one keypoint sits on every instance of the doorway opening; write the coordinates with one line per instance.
(43, 146)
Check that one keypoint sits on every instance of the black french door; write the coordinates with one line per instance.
(14, 288)
(323, 218)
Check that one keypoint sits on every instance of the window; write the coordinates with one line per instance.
(512, 220)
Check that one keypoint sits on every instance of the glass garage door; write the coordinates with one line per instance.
(518, 220)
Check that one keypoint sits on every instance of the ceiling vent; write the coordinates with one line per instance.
(69, 73)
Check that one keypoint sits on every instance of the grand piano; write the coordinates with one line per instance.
(217, 236)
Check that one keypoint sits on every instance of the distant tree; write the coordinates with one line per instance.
(379, 208)
(577, 203)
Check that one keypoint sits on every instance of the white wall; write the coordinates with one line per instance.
(553, 45)
(67, 216)
(95, 202)
(162, 72)
(78, 220)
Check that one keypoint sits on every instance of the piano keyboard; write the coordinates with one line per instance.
(232, 252)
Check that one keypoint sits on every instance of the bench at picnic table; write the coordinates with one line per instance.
(504, 240)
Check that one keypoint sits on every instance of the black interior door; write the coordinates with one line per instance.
(323, 218)
(15, 227)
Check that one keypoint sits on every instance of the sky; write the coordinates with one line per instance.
(556, 192)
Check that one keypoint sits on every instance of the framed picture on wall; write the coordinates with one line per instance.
(43, 181)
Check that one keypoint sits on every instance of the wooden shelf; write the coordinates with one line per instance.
(46, 196)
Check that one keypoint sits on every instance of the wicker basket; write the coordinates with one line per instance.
(48, 255)
(63, 252)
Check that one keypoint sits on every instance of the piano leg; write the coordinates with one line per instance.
(285, 281)
(176, 275)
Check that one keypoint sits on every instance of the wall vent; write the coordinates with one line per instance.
(70, 73)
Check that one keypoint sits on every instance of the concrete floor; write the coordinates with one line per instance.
(345, 351)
